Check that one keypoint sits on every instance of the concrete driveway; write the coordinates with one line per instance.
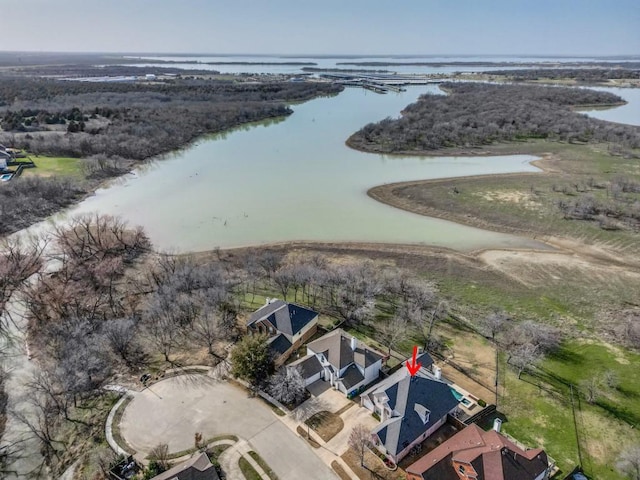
(173, 410)
(323, 398)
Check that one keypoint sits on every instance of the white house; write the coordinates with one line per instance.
(343, 361)
(410, 409)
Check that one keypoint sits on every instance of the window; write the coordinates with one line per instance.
(461, 469)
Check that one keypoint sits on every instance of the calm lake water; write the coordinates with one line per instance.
(629, 113)
(294, 180)
(336, 62)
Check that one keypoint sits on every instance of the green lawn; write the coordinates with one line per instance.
(264, 465)
(248, 471)
(580, 361)
(51, 166)
(539, 412)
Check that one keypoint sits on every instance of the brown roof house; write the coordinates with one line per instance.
(196, 468)
(473, 454)
(410, 409)
(343, 361)
(288, 326)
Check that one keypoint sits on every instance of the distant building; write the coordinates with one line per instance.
(288, 326)
(410, 409)
(473, 454)
(343, 361)
(196, 468)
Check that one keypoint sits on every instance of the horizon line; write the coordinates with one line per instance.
(323, 55)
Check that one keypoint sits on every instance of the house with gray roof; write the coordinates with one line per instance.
(410, 409)
(342, 360)
(288, 326)
(196, 468)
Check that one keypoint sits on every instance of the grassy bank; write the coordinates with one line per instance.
(524, 203)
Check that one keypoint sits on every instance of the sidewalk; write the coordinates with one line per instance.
(230, 458)
(328, 452)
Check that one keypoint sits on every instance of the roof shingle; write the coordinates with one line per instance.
(491, 454)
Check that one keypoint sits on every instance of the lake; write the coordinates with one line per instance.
(295, 180)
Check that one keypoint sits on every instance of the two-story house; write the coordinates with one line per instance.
(473, 453)
(410, 409)
(288, 326)
(342, 360)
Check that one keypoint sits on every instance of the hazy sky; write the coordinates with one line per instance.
(573, 27)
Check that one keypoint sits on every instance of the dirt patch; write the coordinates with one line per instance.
(526, 200)
(474, 355)
(325, 424)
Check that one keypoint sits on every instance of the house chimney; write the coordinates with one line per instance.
(267, 301)
(497, 424)
(353, 343)
(437, 372)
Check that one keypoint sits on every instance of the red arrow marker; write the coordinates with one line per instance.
(413, 367)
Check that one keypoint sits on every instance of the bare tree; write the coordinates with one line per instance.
(284, 280)
(629, 462)
(393, 332)
(359, 441)
(493, 324)
(163, 331)
(121, 336)
(270, 262)
(18, 262)
(353, 292)
(523, 356)
(438, 312)
(591, 387)
(287, 385)
(160, 454)
(213, 324)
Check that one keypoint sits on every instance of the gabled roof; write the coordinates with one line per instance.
(492, 455)
(309, 366)
(279, 344)
(196, 468)
(336, 347)
(287, 318)
(351, 377)
(425, 360)
(412, 399)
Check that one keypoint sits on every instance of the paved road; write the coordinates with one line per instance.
(173, 410)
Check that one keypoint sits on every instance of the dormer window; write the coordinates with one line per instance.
(461, 469)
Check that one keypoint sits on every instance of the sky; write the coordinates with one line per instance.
(427, 27)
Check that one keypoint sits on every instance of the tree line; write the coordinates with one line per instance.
(584, 75)
(477, 114)
(139, 120)
(619, 209)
